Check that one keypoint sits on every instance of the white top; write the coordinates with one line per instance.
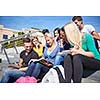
(88, 29)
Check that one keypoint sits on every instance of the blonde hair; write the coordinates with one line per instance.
(72, 33)
(49, 35)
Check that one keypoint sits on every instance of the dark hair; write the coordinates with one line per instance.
(56, 29)
(79, 18)
(27, 40)
(62, 29)
(45, 31)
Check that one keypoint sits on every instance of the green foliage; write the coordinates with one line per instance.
(20, 33)
(19, 42)
(11, 44)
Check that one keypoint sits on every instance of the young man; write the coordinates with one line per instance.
(25, 56)
(87, 29)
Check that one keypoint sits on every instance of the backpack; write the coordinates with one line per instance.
(55, 75)
(26, 79)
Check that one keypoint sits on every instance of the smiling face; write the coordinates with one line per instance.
(35, 41)
(49, 41)
(79, 24)
(28, 46)
(62, 35)
(56, 34)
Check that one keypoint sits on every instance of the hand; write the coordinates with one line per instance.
(76, 46)
(61, 43)
(74, 51)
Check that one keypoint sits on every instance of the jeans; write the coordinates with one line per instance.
(30, 69)
(10, 76)
(58, 60)
(35, 69)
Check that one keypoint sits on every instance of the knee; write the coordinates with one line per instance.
(67, 58)
(77, 56)
(38, 66)
(6, 72)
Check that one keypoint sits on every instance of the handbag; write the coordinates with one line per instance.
(26, 79)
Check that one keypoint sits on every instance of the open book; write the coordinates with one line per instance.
(42, 61)
(64, 52)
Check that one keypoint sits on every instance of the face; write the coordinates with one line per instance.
(35, 41)
(49, 41)
(28, 47)
(62, 35)
(56, 34)
(78, 23)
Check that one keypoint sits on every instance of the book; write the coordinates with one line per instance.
(42, 61)
(64, 52)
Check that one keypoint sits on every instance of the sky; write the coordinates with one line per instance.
(42, 22)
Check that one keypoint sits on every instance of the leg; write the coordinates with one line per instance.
(30, 69)
(77, 69)
(8, 74)
(68, 68)
(90, 63)
(37, 70)
(58, 60)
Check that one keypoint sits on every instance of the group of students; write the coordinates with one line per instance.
(80, 39)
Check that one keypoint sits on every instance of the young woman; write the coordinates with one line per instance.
(64, 45)
(37, 46)
(83, 54)
(57, 34)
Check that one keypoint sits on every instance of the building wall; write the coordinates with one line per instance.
(6, 32)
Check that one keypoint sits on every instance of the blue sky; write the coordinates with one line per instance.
(42, 22)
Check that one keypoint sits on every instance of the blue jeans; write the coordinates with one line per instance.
(35, 69)
(58, 60)
(10, 76)
(30, 69)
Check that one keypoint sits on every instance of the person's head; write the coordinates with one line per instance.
(28, 44)
(56, 33)
(72, 32)
(49, 39)
(35, 40)
(45, 31)
(62, 34)
(78, 21)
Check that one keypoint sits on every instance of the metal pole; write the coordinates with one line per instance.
(15, 47)
(6, 55)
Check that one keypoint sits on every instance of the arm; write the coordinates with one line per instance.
(23, 69)
(95, 35)
(89, 50)
(20, 63)
(75, 51)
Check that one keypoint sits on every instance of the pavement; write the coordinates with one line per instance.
(93, 78)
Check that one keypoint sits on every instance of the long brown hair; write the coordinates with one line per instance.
(34, 37)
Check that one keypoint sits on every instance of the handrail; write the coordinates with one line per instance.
(16, 38)
(13, 39)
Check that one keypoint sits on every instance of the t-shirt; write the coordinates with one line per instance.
(28, 56)
(88, 29)
(88, 45)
